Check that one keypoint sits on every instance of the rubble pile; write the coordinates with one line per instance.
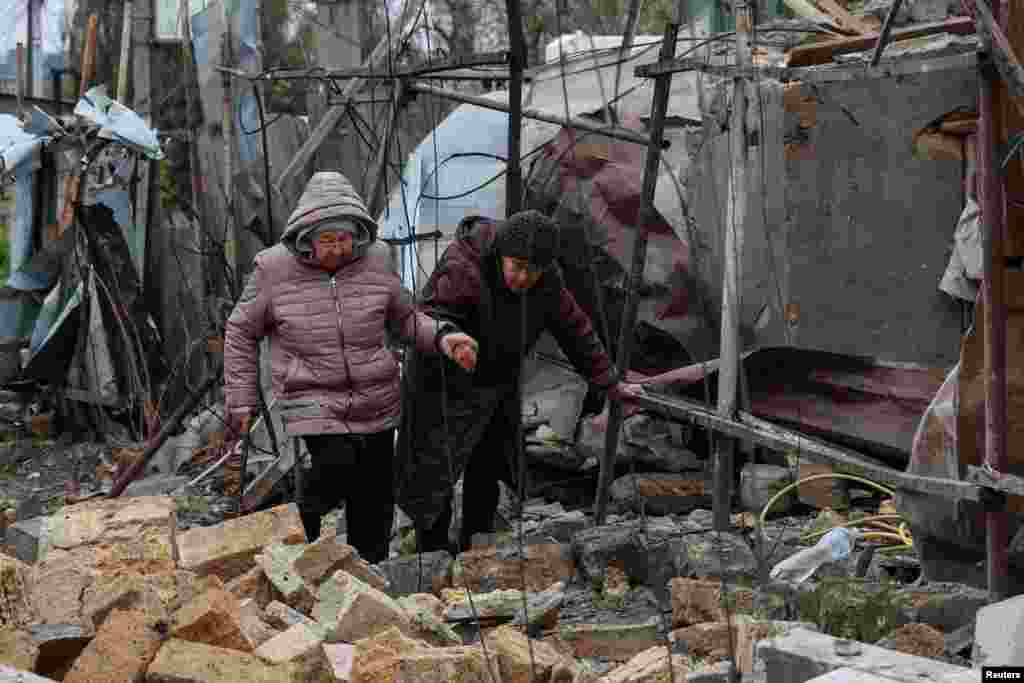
(112, 590)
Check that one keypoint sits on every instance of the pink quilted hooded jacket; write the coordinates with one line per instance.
(332, 371)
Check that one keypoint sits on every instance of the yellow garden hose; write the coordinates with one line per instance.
(815, 477)
(900, 534)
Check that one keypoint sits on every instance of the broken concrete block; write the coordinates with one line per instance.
(9, 674)
(278, 563)
(349, 609)
(340, 657)
(695, 601)
(301, 646)
(662, 493)
(425, 616)
(649, 666)
(57, 593)
(560, 528)
(997, 634)
(229, 549)
(426, 573)
(18, 649)
(319, 560)
(280, 615)
(254, 627)
(213, 618)
(252, 584)
(801, 655)
(490, 569)
(159, 485)
(614, 641)
(376, 659)
(718, 555)
(595, 548)
(760, 482)
(26, 539)
(709, 640)
(183, 661)
(59, 646)
(443, 665)
(518, 665)
(947, 606)
(122, 591)
(749, 632)
(121, 651)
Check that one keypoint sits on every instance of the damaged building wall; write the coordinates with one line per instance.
(861, 226)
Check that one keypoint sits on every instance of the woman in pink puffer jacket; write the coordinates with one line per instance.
(327, 297)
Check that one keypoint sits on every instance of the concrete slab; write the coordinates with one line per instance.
(999, 634)
(802, 655)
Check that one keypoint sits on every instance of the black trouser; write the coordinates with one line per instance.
(355, 469)
(488, 464)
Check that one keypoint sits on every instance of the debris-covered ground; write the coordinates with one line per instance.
(201, 595)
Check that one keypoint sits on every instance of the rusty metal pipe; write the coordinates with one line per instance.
(993, 285)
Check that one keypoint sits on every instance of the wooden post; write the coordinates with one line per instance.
(659, 108)
(126, 51)
(991, 120)
(517, 58)
(228, 130)
(380, 166)
(732, 257)
(632, 19)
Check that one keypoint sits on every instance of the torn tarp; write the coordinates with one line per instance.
(119, 123)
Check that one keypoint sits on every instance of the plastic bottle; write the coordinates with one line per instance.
(834, 546)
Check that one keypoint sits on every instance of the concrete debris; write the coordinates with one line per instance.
(649, 666)
(619, 642)
(662, 493)
(760, 483)
(801, 655)
(916, 639)
(997, 634)
(349, 609)
(424, 573)
(489, 569)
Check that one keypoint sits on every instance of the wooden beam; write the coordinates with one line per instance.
(1002, 53)
(623, 134)
(773, 437)
(823, 52)
(659, 110)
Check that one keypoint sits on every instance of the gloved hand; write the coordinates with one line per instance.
(461, 348)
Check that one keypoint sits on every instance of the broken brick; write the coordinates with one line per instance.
(348, 609)
(278, 563)
(696, 601)
(704, 639)
(121, 651)
(340, 657)
(301, 646)
(280, 615)
(255, 628)
(252, 584)
(182, 661)
(213, 618)
(229, 549)
(489, 569)
(614, 641)
(519, 659)
(649, 666)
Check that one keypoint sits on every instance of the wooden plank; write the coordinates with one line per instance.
(823, 52)
(843, 17)
(1002, 54)
(777, 438)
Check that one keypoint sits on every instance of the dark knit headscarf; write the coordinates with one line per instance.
(529, 235)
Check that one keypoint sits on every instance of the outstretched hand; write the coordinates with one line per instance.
(461, 348)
